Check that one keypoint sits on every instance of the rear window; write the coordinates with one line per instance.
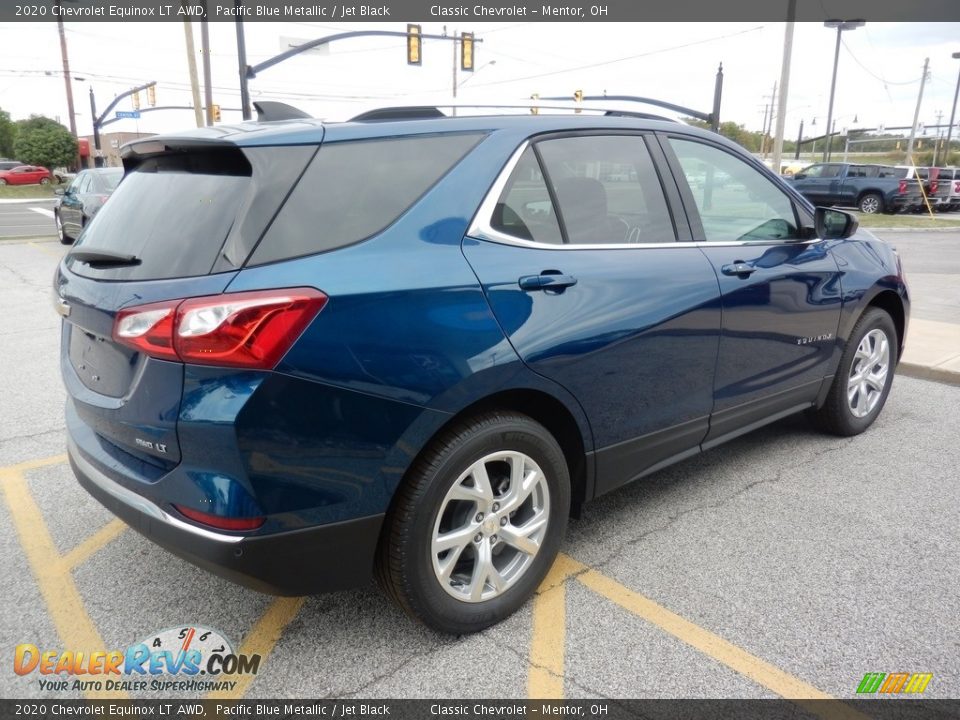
(191, 213)
(354, 190)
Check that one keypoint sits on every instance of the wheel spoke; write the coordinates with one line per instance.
(520, 491)
(453, 539)
(447, 565)
(481, 569)
(519, 536)
(877, 380)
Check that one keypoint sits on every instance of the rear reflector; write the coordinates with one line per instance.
(248, 329)
(903, 187)
(220, 522)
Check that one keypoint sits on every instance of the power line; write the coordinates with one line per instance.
(621, 59)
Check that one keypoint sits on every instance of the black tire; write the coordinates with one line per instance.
(45, 181)
(871, 203)
(61, 233)
(836, 416)
(405, 568)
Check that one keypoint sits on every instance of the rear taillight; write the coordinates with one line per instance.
(956, 187)
(903, 187)
(220, 522)
(934, 184)
(247, 329)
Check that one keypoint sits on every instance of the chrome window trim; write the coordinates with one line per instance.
(481, 229)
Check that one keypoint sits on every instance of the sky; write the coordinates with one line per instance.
(878, 81)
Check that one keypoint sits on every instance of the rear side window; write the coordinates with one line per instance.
(525, 210)
(354, 190)
(189, 213)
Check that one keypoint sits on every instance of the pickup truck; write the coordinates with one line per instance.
(870, 188)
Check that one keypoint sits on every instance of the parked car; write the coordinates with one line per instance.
(870, 188)
(947, 194)
(301, 355)
(25, 175)
(9, 164)
(82, 199)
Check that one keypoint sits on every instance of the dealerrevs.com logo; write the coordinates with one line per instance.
(894, 683)
(184, 659)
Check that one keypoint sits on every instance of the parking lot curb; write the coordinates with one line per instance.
(913, 230)
(925, 372)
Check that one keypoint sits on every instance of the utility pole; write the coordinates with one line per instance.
(763, 128)
(454, 108)
(916, 113)
(192, 68)
(97, 158)
(784, 85)
(767, 130)
(242, 62)
(205, 59)
(953, 112)
(68, 82)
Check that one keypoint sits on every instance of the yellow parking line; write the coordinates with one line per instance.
(46, 250)
(261, 640)
(545, 679)
(34, 464)
(71, 619)
(714, 646)
(93, 544)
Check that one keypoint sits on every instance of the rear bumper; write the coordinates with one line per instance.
(323, 558)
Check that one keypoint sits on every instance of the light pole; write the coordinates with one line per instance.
(953, 112)
(840, 25)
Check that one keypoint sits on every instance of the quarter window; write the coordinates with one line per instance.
(525, 210)
(735, 200)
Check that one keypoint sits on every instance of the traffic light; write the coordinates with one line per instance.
(414, 45)
(466, 51)
(216, 112)
(152, 95)
(578, 97)
(136, 100)
(535, 110)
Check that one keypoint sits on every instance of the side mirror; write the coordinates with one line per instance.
(59, 191)
(833, 224)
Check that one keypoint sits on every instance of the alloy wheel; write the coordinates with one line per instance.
(490, 527)
(868, 373)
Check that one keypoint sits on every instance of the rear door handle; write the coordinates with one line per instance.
(738, 268)
(547, 281)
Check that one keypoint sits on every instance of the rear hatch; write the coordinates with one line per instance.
(182, 222)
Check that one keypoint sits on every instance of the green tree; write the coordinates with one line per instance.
(45, 142)
(8, 133)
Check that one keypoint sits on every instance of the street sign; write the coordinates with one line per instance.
(127, 114)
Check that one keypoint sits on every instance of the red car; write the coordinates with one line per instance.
(25, 175)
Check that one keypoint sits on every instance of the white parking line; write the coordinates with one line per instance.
(44, 211)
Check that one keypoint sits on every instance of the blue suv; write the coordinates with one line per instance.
(305, 354)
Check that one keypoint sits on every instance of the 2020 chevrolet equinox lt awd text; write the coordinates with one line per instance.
(301, 354)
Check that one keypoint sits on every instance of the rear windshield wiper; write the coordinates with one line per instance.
(103, 258)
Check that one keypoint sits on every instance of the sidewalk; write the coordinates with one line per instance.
(933, 351)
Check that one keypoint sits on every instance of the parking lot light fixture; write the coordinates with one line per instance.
(840, 25)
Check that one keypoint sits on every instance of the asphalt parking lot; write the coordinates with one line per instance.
(786, 563)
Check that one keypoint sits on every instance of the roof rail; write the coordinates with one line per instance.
(412, 112)
(268, 110)
(698, 114)
(416, 112)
